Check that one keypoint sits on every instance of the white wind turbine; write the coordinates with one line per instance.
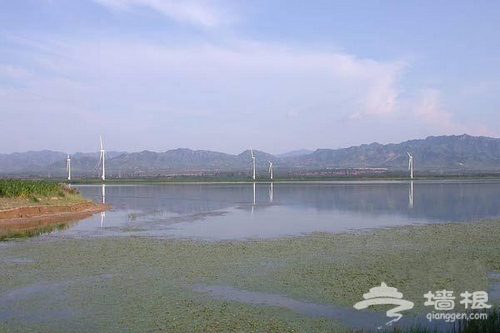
(102, 157)
(410, 164)
(271, 170)
(253, 163)
(68, 167)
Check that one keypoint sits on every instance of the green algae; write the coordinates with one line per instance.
(146, 284)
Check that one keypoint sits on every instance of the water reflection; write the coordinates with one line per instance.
(274, 209)
(410, 196)
(254, 198)
(103, 195)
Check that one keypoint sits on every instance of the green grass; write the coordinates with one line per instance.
(19, 193)
(15, 188)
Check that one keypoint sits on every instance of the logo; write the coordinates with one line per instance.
(444, 301)
(385, 295)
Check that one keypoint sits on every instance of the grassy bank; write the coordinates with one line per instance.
(20, 193)
(146, 284)
(33, 207)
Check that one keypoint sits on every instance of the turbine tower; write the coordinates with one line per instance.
(271, 171)
(102, 159)
(68, 167)
(410, 164)
(253, 163)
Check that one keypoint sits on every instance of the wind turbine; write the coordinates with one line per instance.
(271, 170)
(68, 167)
(101, 159)
(410, 164)
(253, 163)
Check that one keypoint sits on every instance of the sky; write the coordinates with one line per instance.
(275, 75)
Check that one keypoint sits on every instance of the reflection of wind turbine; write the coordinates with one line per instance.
(103, 195)
(271, 192)
(103, 191)
(68, 167)
(102, 158)
(410, 196)
(253, 163)
(253, 204)
(271, 170)
(410, 164)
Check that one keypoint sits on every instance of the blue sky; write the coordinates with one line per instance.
(227, 75)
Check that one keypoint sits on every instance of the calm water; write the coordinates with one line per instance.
(237, 211)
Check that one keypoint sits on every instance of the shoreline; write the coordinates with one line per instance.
(298, 178)
(33, 220)
(37, 211)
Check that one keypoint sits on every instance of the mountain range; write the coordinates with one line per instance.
(463, 153)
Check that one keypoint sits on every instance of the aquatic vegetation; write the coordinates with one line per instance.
(149, 281)
(489, 325)
(6, 234)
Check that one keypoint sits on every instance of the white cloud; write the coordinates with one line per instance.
(431, 109)
(381, 98)
(196, 12)
(110, 84)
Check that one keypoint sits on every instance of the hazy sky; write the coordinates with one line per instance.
(227, 75)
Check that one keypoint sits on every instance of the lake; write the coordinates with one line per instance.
(97, 276)
(220, 211)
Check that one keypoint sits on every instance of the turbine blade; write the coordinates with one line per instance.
(102, 146)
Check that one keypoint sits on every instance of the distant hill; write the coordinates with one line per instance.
(295, 153)
(32, 160)
(461, 153)
(441, 152)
